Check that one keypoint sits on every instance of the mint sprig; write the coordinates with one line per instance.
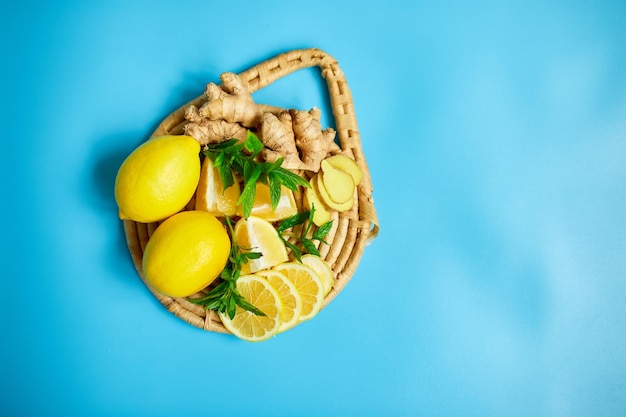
(241, 157)
(304, 243)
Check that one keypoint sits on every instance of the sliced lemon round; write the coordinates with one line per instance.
(258, 235)
(247, 325)
(289, 297)
(323, 269)
(308, 284)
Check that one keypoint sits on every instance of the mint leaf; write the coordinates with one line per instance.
(309, 246)
(322, 231)
(295, 220)
(275, 188)
(231, 307)
(297, 253)
(226, 175)
(246, 199)
(241, 302)
(222, 145)
(289, 179)
(269, 167)
(253, 144)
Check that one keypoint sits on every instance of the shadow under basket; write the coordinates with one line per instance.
(352, 230)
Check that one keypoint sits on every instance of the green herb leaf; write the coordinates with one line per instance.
(246, 199)
(241, 302)
(226, 175)
(290, 179)
(295, 220)
(222, 145)
(309, 246)
(231, 308)
(269, 167)
(246, 256)
(295, 250)
(303, 244)
(275, 188)
(253, 144)
(322, 231)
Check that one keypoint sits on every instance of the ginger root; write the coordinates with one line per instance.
(229, 111)
(231, 102)
(297, 136)
(276, 133)
(313, 142)
(208, 131)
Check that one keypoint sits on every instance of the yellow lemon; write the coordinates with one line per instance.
(308, 285)
(258, 235)
(323, 269)
(289, 297)
(158, 178)
(186, 253)
(247, 325)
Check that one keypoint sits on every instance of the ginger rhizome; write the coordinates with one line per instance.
(229, 111)
(313, 142)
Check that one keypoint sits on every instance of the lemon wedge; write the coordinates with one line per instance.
(210, 194)
(255, 234)
(262, 206)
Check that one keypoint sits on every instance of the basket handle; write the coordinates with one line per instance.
(265, 73)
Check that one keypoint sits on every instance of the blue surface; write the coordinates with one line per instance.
(496, 139)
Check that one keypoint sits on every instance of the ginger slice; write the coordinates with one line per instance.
(326, 198)
(312, 200)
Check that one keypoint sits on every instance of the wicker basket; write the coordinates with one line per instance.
(352, 230)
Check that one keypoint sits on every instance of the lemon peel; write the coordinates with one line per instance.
(158, 178)
(186, 253)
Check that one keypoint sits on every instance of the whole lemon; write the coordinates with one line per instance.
(186, 253)
(158, 178)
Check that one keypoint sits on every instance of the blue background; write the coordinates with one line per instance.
(496, 138)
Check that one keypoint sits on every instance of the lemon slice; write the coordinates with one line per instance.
(259, 235)
(308, 284)
(247, 325)
(289, 297)
(322, 268)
